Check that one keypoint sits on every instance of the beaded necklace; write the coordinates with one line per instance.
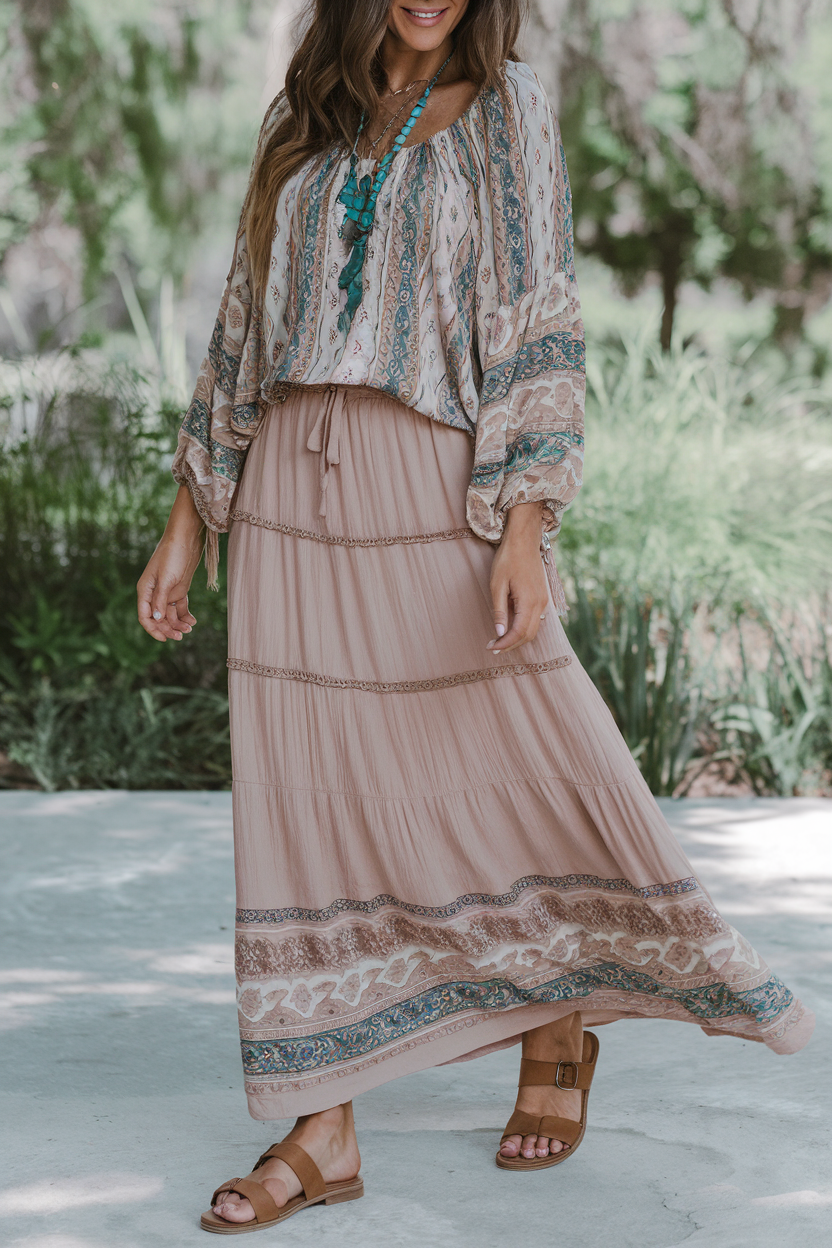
(359, 200)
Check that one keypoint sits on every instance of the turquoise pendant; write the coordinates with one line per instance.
(355, 229)
(359, 200)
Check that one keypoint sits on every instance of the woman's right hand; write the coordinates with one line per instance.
(164, 584)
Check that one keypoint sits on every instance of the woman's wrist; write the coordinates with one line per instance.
(185, 524)
(524, 523)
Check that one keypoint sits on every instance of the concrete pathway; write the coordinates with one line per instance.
(122, 1097)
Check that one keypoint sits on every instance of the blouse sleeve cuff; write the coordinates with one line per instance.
(212, 492)
(552, 509)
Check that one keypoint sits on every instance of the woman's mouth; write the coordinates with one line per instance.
(426, 17)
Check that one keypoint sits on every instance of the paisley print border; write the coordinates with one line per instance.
(675, 888)
(308, 255)
(557, 352)
(507, 183)
(709, 1003)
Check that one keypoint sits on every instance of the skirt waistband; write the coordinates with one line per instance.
(280, 391)
(325, 438)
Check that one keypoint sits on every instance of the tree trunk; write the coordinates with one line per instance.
(671, 248)
(671, 269)
(789, 314)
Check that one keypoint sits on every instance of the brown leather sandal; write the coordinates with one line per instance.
(266, 1212)
(566, 1075)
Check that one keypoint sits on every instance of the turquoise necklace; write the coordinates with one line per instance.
(359, 200)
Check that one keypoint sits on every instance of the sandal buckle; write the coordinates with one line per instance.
(565, 1067)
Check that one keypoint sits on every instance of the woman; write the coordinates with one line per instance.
(442, 843)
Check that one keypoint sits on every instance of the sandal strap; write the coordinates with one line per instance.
(298, 1160)
(223, 1187)
(265, 1209)
(551, 1128)
(566, 1075)
(520, 1123)
(563, 1129)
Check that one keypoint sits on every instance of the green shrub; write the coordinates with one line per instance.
(778, 732)
(638, 656)
(86, 697)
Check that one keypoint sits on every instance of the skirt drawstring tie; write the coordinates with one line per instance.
(325, 437)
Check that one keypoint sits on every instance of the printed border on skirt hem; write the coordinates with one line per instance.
(607, 1003)
(330, 992)
(740, 1012)
(399, 686)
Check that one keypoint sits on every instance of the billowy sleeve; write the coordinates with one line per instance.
(226, 409)
(530, 423)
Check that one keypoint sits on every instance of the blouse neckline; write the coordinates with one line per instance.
(457, 120)
(463, 116)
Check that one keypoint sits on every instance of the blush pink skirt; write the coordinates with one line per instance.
(436, 848)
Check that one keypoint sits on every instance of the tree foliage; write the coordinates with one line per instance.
(694, 130)
(118, 123)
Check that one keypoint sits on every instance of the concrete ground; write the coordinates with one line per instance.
(122, 1093)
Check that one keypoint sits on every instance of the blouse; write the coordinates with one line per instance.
(469, 313)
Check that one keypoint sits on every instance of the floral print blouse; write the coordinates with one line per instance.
(470, 310)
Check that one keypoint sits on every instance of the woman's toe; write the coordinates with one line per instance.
(511, 1146)
(234, 1210)
(556, 1146)
(527, 1147)
(541, 1148)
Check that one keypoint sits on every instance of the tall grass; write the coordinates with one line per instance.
(705, 473)
(779, 730)
(706, 509)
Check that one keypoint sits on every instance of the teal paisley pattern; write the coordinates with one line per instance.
(469, 313)
(533, 344)
(269, 1058)
(540, 448)
(558, 352)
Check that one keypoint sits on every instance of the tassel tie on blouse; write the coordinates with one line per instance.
(555, 584)
(325, 437)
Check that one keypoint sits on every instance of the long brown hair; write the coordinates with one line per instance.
(335, 73)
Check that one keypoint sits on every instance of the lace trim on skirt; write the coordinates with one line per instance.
(331, 539)
(400, 686)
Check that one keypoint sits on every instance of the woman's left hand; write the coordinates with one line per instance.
(519, 590)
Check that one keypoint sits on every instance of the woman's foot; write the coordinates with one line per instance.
(554, 1042)
(328, 1138)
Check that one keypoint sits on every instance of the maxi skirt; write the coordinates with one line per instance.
(436, 847)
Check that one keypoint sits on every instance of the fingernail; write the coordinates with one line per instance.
(501, 628)
(490, 643)
(496, 652)
(157, 615)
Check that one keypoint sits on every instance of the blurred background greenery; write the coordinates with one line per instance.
(697, 559)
